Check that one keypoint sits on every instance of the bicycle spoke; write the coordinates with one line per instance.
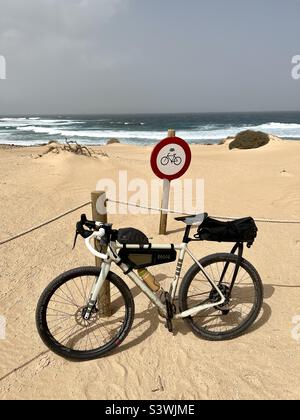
(70, 329)
(237, 309)
(60, 312)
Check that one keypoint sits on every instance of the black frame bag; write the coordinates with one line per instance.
(239, 230)
(142, 258)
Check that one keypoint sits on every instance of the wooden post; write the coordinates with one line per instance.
(165, 199)
(171, 133)
(98, 199)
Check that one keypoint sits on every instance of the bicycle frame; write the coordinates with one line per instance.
(112, 257)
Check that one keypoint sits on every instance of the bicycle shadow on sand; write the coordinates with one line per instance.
(151, 316)
(148, 316)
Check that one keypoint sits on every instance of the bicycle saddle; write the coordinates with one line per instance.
(194, 219)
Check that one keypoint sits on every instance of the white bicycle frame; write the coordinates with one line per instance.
(112, 257)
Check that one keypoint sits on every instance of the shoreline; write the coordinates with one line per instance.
(220, 142)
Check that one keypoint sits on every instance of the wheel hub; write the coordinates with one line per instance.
(214, 297)
(80, 314)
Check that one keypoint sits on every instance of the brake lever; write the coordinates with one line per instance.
(79, 229)
(75, 240)
(83, 219)
(82, 232)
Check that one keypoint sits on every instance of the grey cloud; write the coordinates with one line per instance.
(73, 56)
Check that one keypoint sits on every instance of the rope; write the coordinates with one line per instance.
(60, 216)
(144, 207)
(261, 220)
(217, 217)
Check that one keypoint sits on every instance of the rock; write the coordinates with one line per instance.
(226, 141)
(113, 141)
(249, 139)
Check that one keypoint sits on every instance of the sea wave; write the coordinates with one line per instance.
(32, 130)
(23, 122)
(13, 119)
(94, 133)
(209, 133)
(285, 130)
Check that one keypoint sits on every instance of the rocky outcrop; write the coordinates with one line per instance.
(250, 139)
(113, 141)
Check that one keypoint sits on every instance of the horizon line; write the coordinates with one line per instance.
(147, 113)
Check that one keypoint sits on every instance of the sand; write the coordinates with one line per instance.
(151, 363)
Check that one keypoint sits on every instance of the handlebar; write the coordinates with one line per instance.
(97, 235)
(96, 230)
(91, 224)
(86, 233)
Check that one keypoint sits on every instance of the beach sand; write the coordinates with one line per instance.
(151, 363)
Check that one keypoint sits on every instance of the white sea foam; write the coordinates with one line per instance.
(13, 119)
(20, 129)
(23, 122)
(283, 130)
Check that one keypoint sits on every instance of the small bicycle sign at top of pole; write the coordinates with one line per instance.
(170, 159)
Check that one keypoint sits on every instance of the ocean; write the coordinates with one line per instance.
(144, 129)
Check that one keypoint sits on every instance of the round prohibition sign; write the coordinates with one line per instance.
(171, 158)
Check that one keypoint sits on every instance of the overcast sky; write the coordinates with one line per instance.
(111, 56)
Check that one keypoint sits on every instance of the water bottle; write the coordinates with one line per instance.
(149, 279)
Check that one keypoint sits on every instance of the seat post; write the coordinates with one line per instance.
(186, 234)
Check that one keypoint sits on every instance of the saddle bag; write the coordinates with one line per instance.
(239, 230)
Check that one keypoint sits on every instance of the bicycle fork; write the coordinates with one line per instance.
(105, 268)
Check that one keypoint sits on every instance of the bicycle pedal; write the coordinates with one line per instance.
(170, 312)
(225, 311)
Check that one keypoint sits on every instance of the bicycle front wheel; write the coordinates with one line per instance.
(60, 315)
(242, 305)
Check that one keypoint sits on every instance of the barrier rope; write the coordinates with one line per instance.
(66, 213)
(144, 207)
(260, 220)
(54, 219)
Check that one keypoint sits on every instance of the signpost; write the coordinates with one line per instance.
(170, 159)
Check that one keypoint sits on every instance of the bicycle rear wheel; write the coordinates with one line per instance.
(241, 308)
(60, 315)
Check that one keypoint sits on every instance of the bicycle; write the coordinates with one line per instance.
(220, 296)
(171, 158)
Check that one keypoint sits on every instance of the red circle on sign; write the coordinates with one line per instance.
(170, 140)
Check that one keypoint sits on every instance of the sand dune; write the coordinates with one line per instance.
(151, 363)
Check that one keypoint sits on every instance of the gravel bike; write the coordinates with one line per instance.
(220, 296)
